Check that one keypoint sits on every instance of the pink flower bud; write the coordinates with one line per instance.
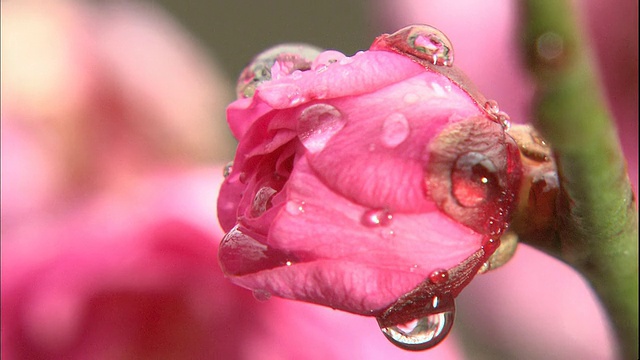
(377, 184)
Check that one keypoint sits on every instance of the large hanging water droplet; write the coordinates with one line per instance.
(275, 62)
(377, 217)
(473, 179)
(318, 124)
(424, 332)
(429, 43)
(395, 130)
(240, 253)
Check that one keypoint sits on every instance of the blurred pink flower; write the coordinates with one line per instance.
(94, 95)
(357, 178)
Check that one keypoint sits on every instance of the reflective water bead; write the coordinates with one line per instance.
(395, 130)
(241, 254)
(261, 295)
(411, 98)
(377, 217)
(504, 120)
(473, 179)
(281, 95)
(431, 44)
(425, 332)
(295, 207)
(440, 276)
(318, 124)
(275, 62)
(550, 46)
(262, 201)
(326, 58)
(491, 106)
(227, 169)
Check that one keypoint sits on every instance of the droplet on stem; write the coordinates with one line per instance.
(424, 332)
(439, 276)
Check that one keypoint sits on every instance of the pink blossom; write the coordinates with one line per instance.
(352, 183)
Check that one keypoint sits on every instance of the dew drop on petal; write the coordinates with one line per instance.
(317, 125)
(345, 60)
(325, 59)
(281, 95)
(273, 63)
(411, 98)
(261, 295)
(241, 254)
(262, 201)
(295, 207)
(473, 179)
(430, 44)
(227, 169)
(378, 217)
(395, 130)
(425, 332)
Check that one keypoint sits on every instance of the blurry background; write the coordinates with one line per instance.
(113, 143)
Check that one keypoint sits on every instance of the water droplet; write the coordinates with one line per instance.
(503, 251)
(473, 179)
(424, 332)
(373, 218)
(227, 169)
(273, 63)
(241, 254)
(438, 90)
(504, 120)
(395, 130)
(346, 61)
(296, 75)
(438, 277)
(430, 44)
(261, 295)
(325, 59)
(491, 106)
(486, 266)
(281, 95)
(295, 207)
(387, 233)
(262, 201)
(317, 125)
(411, 98)
(490, 245)
(550, 46)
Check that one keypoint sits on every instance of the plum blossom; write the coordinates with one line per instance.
(359, 179)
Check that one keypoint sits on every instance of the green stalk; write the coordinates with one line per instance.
(597, 215)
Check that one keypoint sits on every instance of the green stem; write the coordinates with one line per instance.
(598, 217)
